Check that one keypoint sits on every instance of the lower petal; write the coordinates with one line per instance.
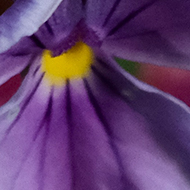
(106, 131)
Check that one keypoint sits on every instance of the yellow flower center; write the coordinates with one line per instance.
(73, 64)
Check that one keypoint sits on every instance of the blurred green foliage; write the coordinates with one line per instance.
(129, 66)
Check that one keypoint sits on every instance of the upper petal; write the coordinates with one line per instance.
(58, 32)
(148, 31)
(24, 18)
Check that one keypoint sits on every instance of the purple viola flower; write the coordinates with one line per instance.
(79, 121)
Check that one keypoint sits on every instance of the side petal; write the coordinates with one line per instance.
(107, 131)
(24, 18)
(28, 68)
(149, 31)
(17, 58)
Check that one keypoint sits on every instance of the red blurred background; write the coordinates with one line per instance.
(173, 81)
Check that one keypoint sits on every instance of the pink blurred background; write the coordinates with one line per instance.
(173, 81)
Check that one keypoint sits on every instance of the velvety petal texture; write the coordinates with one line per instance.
(107, 131)
(18, 58)
(24, 18)
(96, 133)
(25, 92)
(8, 69)
(151, 31)
(59, 31)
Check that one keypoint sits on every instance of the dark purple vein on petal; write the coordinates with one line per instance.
(97, 108)
(27, 101)
(37, 41)
(105, 81)
(84, 2)
(127, 184)
(47, 115)
(112, 10)
(27, 68)
(36, 135)
(49, 28)
(47, 120)
(68, 100)
(70, 131)
(113, 87)
(130, 17)
(36, 70)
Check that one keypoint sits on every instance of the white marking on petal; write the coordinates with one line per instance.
(13, 113)
(129, 94)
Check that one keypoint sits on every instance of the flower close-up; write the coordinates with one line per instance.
(76, 120)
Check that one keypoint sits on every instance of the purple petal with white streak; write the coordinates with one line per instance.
(24, 18)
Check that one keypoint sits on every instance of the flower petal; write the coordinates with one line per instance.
(96, 133)
(152, 140)
(60, 26)
(148, 31)
(29, 84)
(17, 58)
(24, 18)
